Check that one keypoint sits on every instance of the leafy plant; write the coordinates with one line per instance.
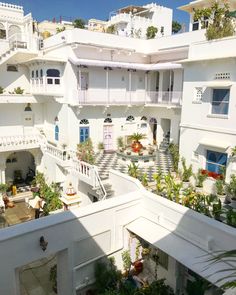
(200, 178)
(126, 260)
(133, 170)
(158, 179)
(176, 27)
(1, 90)
(219, 187)
(187, 171)
(59, 30)
(120, 142)
(85, 152)
(197, 287)
(101, 146)
(231, 217)
(151, 32)
(111, 29)
(137, 137)
(144, 179)
(174, 151)
(79, 23)
(220, 20)
(3, 188)
(18, 90)
(230, 188)
(233, 152)
(217, 210)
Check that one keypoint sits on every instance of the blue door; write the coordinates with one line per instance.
(84, 134)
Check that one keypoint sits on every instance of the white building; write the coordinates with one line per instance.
(82, 84)
(133, 21)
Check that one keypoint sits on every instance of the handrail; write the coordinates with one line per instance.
(102, 188)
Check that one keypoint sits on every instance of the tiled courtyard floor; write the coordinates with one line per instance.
(105, 162)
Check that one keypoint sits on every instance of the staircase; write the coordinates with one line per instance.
(164, 145)
(107, 188)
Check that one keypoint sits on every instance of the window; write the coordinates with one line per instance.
(56, 133)
(108, 120)
(163, 259)
(198, 94)
(222, 76)
(144, 118)
(32, 74)
(37, 73)
(130, 119)
(220, 101)
(12, 68)
(41, 73)
(215, 161)
(84, 134)
(2, 32)
(84, 122)
(53, 73)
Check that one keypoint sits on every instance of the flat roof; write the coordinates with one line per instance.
(131, 8)
(199, 3)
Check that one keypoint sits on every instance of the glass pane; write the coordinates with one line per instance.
(57, 81)
(220, 95)
(49, 81)
(220, 108)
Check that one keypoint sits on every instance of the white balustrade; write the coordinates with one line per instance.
(18, 142)
(46, 85)
(18, 40)
(8, 5)
(124, 97)
(56, 152)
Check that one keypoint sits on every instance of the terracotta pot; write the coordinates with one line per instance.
(136, 146)
(138, 267)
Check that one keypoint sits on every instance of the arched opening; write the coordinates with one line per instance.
(56, 133)
(2, 31)
(153, 126)
(13, 30)
(20, 168)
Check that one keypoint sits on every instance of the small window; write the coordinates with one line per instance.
(37, 73)
(53, 73)
(196, 26)
(57, 81)
(215, 161)
(12, 68)
(144, 118)
(220, 101)
(2, 31)
(84, 122)
(56, 133)
(130, 119)
(41, 73)
(32, 74)
(49, 81)
(108, 120)
(163, 259)
(198, 94)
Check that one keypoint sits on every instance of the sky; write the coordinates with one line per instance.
(86, 9)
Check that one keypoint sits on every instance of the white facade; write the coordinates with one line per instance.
(83, 82)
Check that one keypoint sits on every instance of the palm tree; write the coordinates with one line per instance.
(136, 137)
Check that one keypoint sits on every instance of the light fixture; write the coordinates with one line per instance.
(28, 108)
(43, 243)
(56, 119)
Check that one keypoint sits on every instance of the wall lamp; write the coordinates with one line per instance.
(43, 243)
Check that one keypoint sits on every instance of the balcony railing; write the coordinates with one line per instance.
(19, 142)
(46, 85)
(124, 97)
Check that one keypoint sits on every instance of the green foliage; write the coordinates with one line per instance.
(50, 193)
(120, 142)
(151, 32)
(59, 30)
(217, 210)
(158, 177)
(111, 29)
(137, 136)
(219, 187)
(176, 27)
(79, 23)
(231, 217)
(200, 178)
(144, 179)
(187, 171)
(133, 170)
(53, 276)
(174, 151)
(126, 260)
(220, 21)
(1, 90)
(107, 276)
(230, 188)
(3, 188)
(197, 287)
(233, 152)
(101, 146)
(85, 152)
(18, 90)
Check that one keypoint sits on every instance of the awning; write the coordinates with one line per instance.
(218, 84)
(215, 143)
(124, 65)
(180, 249)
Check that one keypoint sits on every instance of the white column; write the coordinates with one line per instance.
(79, 79)
(3, 174)
(170, 83)
(107, 85)
(146, 85)
(130, 85)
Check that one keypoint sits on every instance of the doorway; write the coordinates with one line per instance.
(108, 137)
(165, 126)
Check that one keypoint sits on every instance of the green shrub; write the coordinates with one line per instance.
(18, 90)
(200, 178)
(85, 152)
(151, 32)
(187, 171)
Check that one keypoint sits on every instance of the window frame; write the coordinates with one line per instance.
(216, 163)
(223, 102)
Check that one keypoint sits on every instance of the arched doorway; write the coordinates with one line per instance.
(153, 126)
(20, 168)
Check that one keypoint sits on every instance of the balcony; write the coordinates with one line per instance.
(46, 86)
(125, 97)
(19, 142)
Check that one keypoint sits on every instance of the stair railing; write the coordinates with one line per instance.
(98, 183)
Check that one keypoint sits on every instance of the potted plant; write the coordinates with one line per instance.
(187, 172)
(230, 189)
(200, 178)
(133, 170)
(144, 180)
(101, 147)
(18, 90)
(126, 261)
(120, 143)
(217, 210)
(136, 145)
